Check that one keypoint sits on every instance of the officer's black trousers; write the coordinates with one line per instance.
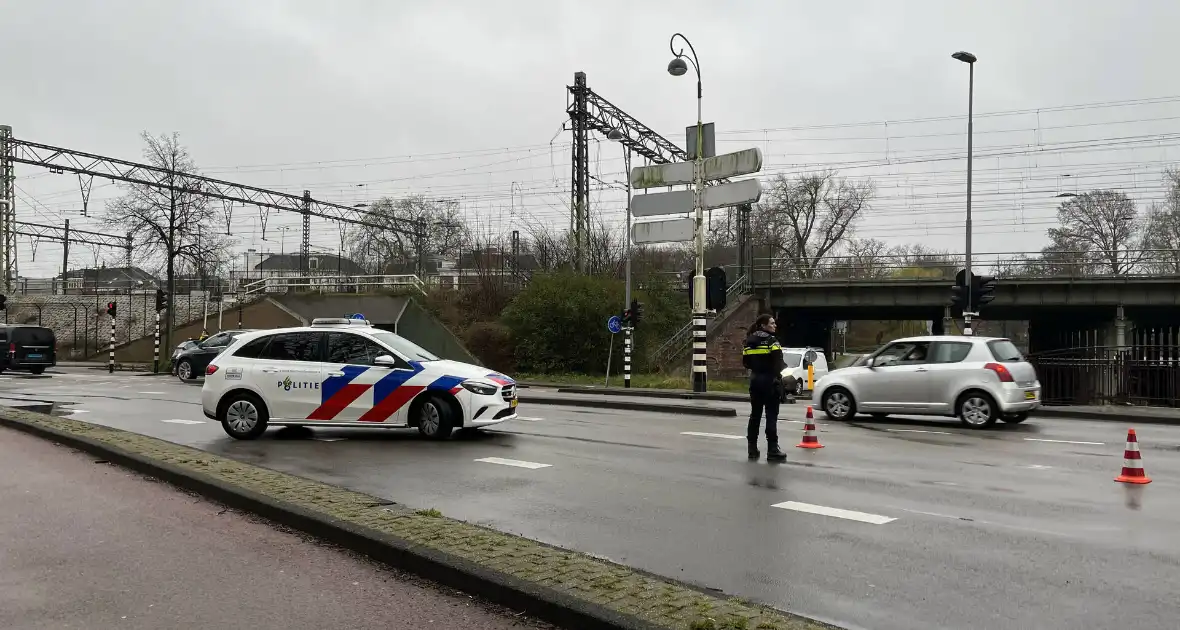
(764, 395)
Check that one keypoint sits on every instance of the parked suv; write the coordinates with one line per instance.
(27, 348)
(978, 379)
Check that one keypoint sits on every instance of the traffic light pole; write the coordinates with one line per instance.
(111, 358)
(156, 359)
(627, 357)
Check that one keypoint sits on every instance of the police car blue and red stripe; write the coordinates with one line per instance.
(342, 372)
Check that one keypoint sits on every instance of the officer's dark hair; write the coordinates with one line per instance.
(759, 323)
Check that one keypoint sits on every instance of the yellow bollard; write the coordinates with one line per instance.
(810, 376)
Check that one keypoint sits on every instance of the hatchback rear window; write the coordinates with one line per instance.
(1005, 351)
(32, 336)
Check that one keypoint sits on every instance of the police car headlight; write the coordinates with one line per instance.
(476, 387)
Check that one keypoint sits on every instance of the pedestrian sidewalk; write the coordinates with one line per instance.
(84, 544)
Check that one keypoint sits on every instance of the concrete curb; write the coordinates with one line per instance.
(544, 603)
(556, 585)
(647, 393)
(631, 405)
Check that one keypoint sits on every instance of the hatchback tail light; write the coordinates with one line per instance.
(1001, 371)
(213, 368)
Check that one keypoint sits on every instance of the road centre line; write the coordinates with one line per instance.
(1065, 441)
(723, 436)
(918, 431)
(823, 510)
(180, 421)
(149, 392)
(512, 462)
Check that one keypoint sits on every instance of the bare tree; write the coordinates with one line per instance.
(1101, 228)
(410, 227)
(165, 222)
(553, 248)
(1163, 228)
(806, 218)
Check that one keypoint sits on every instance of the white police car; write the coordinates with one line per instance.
(346, 373)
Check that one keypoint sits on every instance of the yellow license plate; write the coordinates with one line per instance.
(513, 403)
(1030, 395)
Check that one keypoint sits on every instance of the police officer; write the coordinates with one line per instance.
(763, 356)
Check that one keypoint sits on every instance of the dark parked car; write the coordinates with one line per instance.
(27, 348)
(190, 363)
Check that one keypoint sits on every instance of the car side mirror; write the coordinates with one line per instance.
(868, 362)
(384, 360)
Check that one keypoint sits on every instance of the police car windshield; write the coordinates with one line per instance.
(792, 359)
(409, 349)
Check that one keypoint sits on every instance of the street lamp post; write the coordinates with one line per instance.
(617, 136)
(970, 60)
(678, 67)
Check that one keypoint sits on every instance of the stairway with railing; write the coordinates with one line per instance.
(680, 341)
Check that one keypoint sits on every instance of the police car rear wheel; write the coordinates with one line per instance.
(243, 416)
(434, 419)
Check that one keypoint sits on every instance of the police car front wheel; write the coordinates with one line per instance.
(435, 419)
(243, 416)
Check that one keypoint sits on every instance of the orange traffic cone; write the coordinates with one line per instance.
(1132, 462)
(810, 440)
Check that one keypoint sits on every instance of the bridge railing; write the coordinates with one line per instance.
(333, 284)
(908, 267)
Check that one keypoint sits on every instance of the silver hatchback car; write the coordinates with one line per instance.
(978, 379)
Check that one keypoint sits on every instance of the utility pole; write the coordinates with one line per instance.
(65, 255)
(7, 207)
(970, 60)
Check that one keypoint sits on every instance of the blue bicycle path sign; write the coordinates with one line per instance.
(614, 324)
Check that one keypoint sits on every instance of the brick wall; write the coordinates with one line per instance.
(726, 337)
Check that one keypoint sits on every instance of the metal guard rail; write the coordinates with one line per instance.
(682, 338)
(332, 284)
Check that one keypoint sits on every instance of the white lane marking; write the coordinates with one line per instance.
(723, 436)
(179, 421)
(1038, 467)
(529, 419)
(77, 410)
(918, 431)
(1065, 441)
(512, 462)
(327, 439)
(149, 392)
(823, 510)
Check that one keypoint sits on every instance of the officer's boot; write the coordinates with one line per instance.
(773, 454)
(752, 449)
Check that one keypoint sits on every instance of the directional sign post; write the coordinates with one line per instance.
(696, 201)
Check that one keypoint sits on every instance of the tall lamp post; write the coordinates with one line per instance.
(970, 60)
(678, 67)
(616, 135)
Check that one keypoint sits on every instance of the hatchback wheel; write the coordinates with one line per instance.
(977, 410)
(184, 370)
(434, 419)
(838, 404)
(243, 416)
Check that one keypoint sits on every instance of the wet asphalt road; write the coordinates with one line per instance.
(88, 545)
(902, 524)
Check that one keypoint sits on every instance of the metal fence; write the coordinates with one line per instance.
(1099, 375)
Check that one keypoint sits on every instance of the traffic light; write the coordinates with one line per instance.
(161, 300)
(715, 289)
(626, 317)
(636, 311)
(960, 290)
(3, 302)
(983, 291)
(111, 308)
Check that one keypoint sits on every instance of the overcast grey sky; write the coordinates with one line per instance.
(462, 99)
